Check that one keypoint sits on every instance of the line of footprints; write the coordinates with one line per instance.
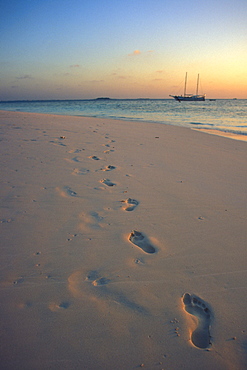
(192, 304)
(136, 237)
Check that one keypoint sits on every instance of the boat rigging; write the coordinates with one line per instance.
(190, 97)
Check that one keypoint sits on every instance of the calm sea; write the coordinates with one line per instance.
(223, 115)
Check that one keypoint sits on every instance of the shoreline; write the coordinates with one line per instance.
(123, 244)
(229, 135)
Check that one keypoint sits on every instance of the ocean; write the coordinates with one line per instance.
(223, 115)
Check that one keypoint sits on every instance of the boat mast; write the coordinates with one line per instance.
(197, 86)
(185, 83)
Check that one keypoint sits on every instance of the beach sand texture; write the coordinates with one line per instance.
(123, 245)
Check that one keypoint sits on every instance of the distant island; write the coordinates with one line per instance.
(103, 98)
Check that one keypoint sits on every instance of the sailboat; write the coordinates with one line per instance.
(189, 97)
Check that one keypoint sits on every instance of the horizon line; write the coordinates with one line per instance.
(103, 98)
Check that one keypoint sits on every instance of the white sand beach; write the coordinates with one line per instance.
(123, 245)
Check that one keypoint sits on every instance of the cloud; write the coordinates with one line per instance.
(75, 66)
(24, 77)
(138, 52)
(120, 77)
(135, 52)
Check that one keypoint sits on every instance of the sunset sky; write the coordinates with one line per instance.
(82, 49)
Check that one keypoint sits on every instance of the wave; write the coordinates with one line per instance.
(227, 131)
(201, 123)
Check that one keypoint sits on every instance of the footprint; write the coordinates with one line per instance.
(66, 191)
(81, 171)
(101, 281)
(94, 157)
(139, 261)
(19, 281)
(70, 192)
(6, 220)
(141, 241)
(90, 221)
(107, 182)
(109, 168)
(195, 306)
(131, 204)
(76, 151)
(201, 218)
(62, 306)
(56, 142)
(95, 279)
(76, 159)
(109, 293)
(92, 275)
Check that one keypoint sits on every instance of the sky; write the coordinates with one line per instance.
(84, 49)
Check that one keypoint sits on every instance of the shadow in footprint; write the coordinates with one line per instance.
(131, 204)
(70, 192)
(94, 277)
(195, 306)
(81, 171)
(56, 142)
(76, 159)
(95, 158)
(101, 281)
(64, 305)
(109, 168)
(141, 241)
(107, 182)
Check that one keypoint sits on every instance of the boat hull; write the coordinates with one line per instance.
(189, 98)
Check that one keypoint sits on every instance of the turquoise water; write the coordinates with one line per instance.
(228, 115)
